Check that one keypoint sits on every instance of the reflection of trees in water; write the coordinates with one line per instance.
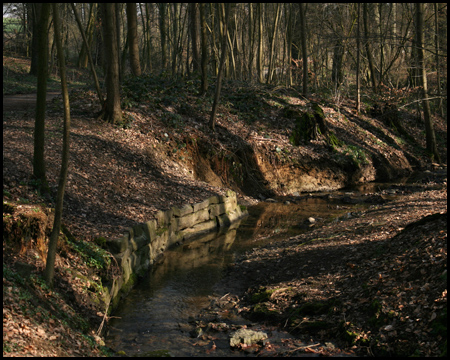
(195, 253)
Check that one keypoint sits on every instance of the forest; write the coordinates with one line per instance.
(114, 112)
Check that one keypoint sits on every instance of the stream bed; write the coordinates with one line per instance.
(157, 317)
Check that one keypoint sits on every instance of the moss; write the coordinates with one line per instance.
(262, 295)
(262, 312)
(317, 308)
(124, 290)
(161, 231)
(333, 141)
(100, 241)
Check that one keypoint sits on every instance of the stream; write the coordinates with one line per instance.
(156, 318)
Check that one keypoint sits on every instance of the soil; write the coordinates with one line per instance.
(359, 283)
(156, 159)
(24, 101)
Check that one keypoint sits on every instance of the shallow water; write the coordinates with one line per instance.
(155, 315)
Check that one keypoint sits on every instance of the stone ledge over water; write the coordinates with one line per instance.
(143, 244)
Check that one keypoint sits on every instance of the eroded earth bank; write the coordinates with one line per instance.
(368, 283)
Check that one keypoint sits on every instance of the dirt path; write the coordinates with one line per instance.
(24, 101)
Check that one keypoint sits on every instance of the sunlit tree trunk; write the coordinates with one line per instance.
(91, 63)
(53, 242)
(272, 44)
(203, 25)
(438, 66)
(358, 61)
(212, 119)
(259, 60)
(304, 53)
(430, 136)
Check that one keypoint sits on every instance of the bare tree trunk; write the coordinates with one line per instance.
(53, 242)
(429, 129)
(91, 63)
(162, 30)
(85, 48)
(272, 44)
(368, 51)
(203, 25)
(358, 62)
(438, 66)
(194, 20)
(36, 14)
(133, 39)
(304, 53)
(41, 97)
(112, 111)
(259, 62)
(212, 120)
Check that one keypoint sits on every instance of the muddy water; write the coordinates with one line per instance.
(156, 317)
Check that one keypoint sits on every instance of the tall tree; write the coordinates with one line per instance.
(358, 61)
(304, 52)
(133, 39)
(34, 26)
(162, 32)
(88, 53)
(212, 119)
(51, 254)
(203, 26)
(368, 50)
(272, 41)
(438, 65)
(429, 128)
(260, 60)
(111, 111)
(195, 35)
(41, 97)
(89, 34)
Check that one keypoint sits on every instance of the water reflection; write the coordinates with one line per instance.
(155, 314)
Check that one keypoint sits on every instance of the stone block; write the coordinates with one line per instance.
(216, 210)
(150, 230)
(174, 238)
(202, 215)
(202, 205)
(213, 200)
(186, 221)
(117, 246)
(164, 218)
(184, 210)
(223, 220)
(230, 193)
(198, 229)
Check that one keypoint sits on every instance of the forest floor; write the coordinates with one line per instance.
(372, 287)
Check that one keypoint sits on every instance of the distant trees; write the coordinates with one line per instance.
(311, 45)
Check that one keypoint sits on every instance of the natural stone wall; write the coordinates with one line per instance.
(143, 244)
